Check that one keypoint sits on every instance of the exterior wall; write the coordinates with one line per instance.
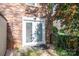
(14, 13)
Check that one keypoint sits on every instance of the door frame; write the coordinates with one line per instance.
(31, 19)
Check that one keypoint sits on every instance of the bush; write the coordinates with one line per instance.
(31, 53)
(63, 52)
(65, 44)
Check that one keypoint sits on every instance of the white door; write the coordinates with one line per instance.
(34, 32)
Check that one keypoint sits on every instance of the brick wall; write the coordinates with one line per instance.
(14, 13)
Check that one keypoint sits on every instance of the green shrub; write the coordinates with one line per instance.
(54, 29)
(63, 52)
(31, 53)
(65, 44)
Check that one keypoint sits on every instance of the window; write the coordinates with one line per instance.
(28, 32)
(33, 31)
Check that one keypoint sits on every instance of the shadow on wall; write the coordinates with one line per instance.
(9, 37)
(9, 44)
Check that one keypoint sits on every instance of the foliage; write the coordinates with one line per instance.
(49, 6)
(67, 11)
(66, 44)
(54, 29)
(31, 53)
(70, 14)
(63, 52)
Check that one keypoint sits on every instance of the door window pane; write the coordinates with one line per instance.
(28, 32)
(39, 32)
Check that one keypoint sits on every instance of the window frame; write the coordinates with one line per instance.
(31, 19)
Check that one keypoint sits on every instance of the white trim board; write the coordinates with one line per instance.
(31, 20)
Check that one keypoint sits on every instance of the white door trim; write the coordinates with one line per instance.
(31, 19)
